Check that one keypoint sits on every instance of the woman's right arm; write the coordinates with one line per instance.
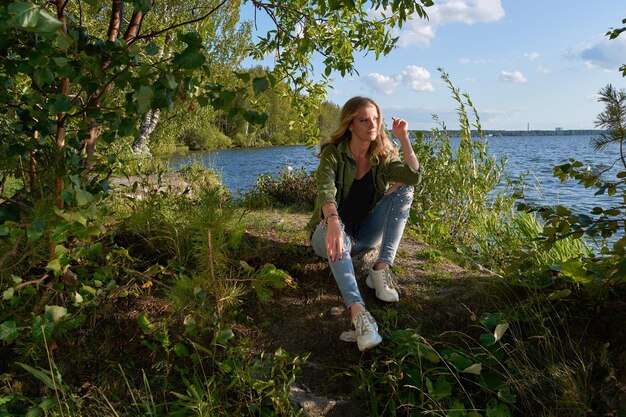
(334, 233)
(325, 180)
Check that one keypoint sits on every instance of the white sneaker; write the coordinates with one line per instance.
(382, 281)
(367, 335)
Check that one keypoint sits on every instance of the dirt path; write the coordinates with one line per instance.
(436, 296)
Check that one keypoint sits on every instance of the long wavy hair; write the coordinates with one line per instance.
(382, 149)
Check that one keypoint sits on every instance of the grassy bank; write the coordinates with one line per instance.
(199, 306)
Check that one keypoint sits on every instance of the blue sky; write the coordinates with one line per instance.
(525, 64)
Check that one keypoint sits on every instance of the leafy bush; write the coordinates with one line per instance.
(160, 232)
(414, 377)
(204, 138)
(457, 190)
(293, 188)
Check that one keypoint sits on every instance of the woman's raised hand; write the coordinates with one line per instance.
(400, 127)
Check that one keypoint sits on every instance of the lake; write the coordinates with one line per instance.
(537, 155)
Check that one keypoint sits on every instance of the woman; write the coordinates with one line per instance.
(363, 200)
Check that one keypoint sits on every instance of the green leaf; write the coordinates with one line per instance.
(562, 211)
(575, 269)
(144, 322)
(181, 350)
(171, 81)
(255, 117)
(474, 369)
(72, 216)
(190, 58)
(144, 99)
(500, 330)
(260, 85)
(83, 197)
(54, 314)
(8, 293)
(35, 231)
(458, 360)
(487, 339)
(440, 389)
(8, 331)
(47, 23)
(61, 104)
(243, 76)
(26, 14)
(43, 376)
(143, 5)
(64, 41)
(60, 61)
(560, 294)
(192, 39)
(489, 320)
(505, 395)
(497, 409)
(223, 336)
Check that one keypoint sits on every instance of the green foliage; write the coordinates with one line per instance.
(605, 267)
(291, 188)
(512, 247)
(214, 375)
(410, 376)
(456, 190)
(595, 271)
(209, 138)
(240, 385)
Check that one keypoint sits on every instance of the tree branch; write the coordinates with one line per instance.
(134, 26)
(115, 21)
(188, 22)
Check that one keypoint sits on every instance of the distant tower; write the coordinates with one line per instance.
(528, 127)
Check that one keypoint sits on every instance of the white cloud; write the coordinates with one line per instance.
(421, 32)
(382, 83)
(531, 56)
(466, 12)
(413, 77)
(417, 32)
(512, 77)
(600, 53)
(543, 70)
(417, 78)
(466, 61)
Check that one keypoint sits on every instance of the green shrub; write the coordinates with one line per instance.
(457, 186)
(204, 138)
(292, 188)
(412, 376)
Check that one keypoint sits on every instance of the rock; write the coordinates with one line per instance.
(315, 406)
(365, 260)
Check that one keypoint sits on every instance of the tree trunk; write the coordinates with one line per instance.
(148, 124)
(151, 119)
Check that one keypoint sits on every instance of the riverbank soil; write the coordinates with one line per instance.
(436, 296)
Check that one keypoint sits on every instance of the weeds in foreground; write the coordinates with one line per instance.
(412, 376)
(159, 278)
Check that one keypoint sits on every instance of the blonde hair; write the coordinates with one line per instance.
(383, 148)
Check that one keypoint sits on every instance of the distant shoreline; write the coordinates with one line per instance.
(501, 133)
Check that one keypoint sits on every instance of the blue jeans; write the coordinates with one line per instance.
(383, 225)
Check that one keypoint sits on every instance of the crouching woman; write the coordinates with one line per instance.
(364, 195)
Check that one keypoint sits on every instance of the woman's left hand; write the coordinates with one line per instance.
(400, 128)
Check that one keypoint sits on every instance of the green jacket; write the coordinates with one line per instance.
(337, 169)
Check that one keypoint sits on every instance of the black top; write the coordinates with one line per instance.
(357, 205)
